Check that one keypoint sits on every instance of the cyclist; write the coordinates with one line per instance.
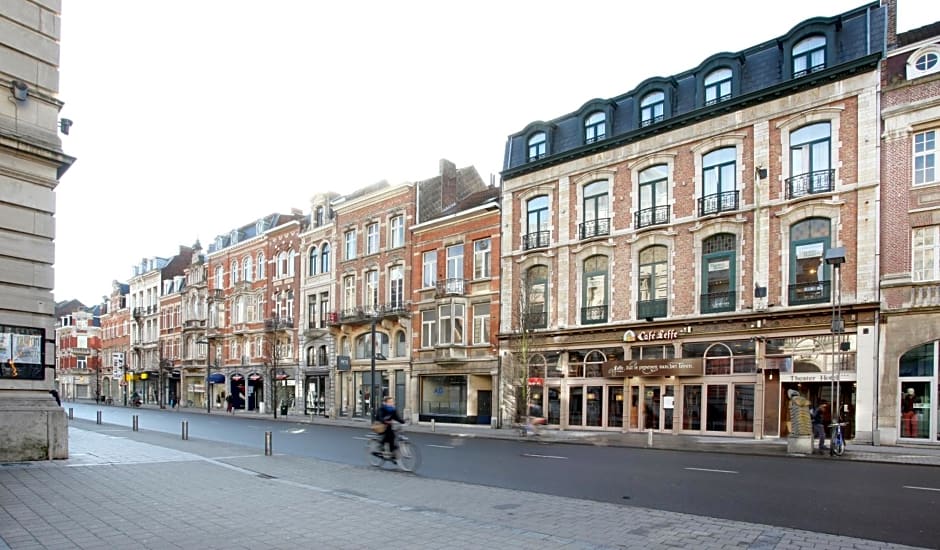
(386, 414)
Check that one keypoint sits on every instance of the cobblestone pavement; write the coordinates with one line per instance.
(125, 489)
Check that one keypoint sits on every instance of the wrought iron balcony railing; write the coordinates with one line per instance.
(726, 201)
(658, 215)
(539, 239)
(535, 320)
(810, 293)
(651, 309)
(593, 314)
(451, 287)
(811, 183)
(279, 323)
(595, 228)
(715, 302)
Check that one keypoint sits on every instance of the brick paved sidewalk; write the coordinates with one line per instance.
(124, 489)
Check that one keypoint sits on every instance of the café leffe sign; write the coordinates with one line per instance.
(654, 367)
(650, 335)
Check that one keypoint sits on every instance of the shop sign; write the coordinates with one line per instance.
(21, 353)
(650, 335)
(817, 377)
(343, 363)
(654, 367)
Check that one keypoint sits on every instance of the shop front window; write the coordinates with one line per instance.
(444, 395)
(716, 408)
(744, 407)
(692, 407)
(917, 377)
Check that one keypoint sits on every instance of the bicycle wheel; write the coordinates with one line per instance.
(372, 449)
(408, 457)
(838, 446)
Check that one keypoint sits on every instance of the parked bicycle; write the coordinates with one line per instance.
(837, 441)
(406, 456)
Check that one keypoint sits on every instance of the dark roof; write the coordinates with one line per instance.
(249, 230)
(67, 307)
(917, 35)
(490, 194)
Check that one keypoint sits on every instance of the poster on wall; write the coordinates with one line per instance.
(21, 353)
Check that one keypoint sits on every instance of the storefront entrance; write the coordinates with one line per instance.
(316, 395)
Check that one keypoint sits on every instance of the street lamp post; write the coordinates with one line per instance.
(372, 378)
(836, 257)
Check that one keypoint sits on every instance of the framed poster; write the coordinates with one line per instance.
(21, 352)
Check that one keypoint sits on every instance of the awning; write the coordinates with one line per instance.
(254, 377)
(216, 378)
(281, 377)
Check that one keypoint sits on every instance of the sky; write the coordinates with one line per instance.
(193, 117)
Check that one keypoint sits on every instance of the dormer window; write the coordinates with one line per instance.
(537, 146)
(809, 56)
(234, 237)
(652, 108)
(318, 217)
(595, 127)
(718, 86)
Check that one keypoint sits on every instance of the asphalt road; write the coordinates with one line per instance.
(886, 502)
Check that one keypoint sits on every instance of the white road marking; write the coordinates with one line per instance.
(442, 446)
(710, 470)
(920, 488)
(545, 456)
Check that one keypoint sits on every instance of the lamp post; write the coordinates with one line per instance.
(207, 393)
(372, 376)
(836, 257)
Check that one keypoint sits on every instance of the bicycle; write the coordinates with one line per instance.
(406, 457)
(837, 441)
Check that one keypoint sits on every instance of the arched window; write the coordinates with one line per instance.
(537, 223)
(313, 259)
(322, 359)
(719, 256)
(247, 271)
(718, 86)
(809, 274)
(653, 280)
(261, 265)
(325, 258)
(594, 288)
(291, 256)
(281, 269)
(809, 55)
(537, 146)
(400, 344)
(219, 277)
(652, 108)
(318, 218)
(233, 275)
(596, 210)
(364, 345)
(595, 127)
(719, 182)
(536, 299)
(810, 161)
(653, 203)
(311, 356)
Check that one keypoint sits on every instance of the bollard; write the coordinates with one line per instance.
(185, 430)
(135, 424)
(432, 425)
(268, 447)
(98, 418)
(71, 413)
(649, 438)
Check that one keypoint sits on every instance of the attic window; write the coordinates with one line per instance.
(924, 62)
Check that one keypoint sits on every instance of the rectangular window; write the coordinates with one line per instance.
(445, 324)
(455, 261)
(371, 289)
(324, 308)
(429, 269)
(481, 259)
(481, 324)
(349, 292)
(350, 240)
(925, 248)
(458, 310)
(925, 157)
(397, 232)
(396, 286)
(372, 238)
(428, 328)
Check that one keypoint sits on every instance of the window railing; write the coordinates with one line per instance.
(726, 201)
(658, 215)
(715, 302)
(278, 323)
(649, 309)
(539, 239)
(451, 287)
(535, 320)
(810, 293)
(595, 228)
(593, 314)
(811, 183)
(813, 69)
(653, 120)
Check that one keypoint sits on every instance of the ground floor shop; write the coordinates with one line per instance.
(245, 388)
(355, 389)
(318, 388)
(457, 398)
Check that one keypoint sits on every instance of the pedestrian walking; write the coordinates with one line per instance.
(229, 406)
(819, 425)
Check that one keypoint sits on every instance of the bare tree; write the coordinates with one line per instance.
(277, 342)
(528, 315)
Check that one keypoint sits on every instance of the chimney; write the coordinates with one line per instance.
(891, 20)
(448, 184)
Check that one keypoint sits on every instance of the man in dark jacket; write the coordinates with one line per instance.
(386, 414)
(819, 425)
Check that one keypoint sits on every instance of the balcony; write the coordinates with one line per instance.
(809, 293)
(717, 302)
(593, 314)
(278, 323)
(594, 228)
(718, 203)
(539, 239)
(535, 320)
(811, 183)
(217, 294)
(658, 215)
(189, 324)
(240, 328)
(450, 287)
(450, 354)
(81, 351)
(242, 286)
(145, 310)
(359, 315)
(651, 309)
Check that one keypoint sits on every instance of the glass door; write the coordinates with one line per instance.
(576, 406)
(594, 406)
(692, 407)
(554, 405)
(669, 405)
(651, 408)
(614, 406)
(635, 407)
